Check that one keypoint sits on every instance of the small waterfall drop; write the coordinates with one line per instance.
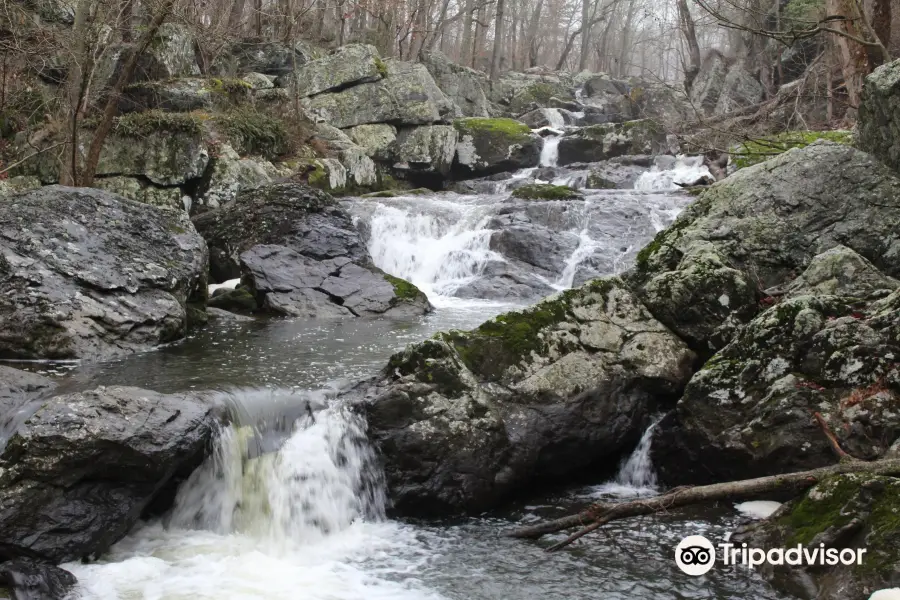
(550, 151)
(439, 245)
(636, 476)
(320, 480)
(663, 177)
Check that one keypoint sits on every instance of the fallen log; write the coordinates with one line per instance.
(601, 513)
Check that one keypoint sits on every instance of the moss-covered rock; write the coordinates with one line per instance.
(879, 114)
(425, 149)
(755, 151)
(239, 300)
(349, 65)
(760, 228)
(854, 511)
(748, 411)
(467, 417)
(462, 85)
(488, 146)
(185, 95)
(135, 189)
(539, 95)
(407, 96)
(543, 191)
(602, 142)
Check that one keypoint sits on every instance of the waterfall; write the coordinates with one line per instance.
(320, 480)
(662, 177)
(555, 118)
(550, 151)
(439, 245)
(636, 476)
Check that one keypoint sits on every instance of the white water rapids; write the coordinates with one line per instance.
(293, 508)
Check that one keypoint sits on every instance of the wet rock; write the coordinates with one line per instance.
(293, 215)
(602, 142)
(823, 348)
(463, 86)
(879, 115)
(218, 314)
(30, 579)
(93, 461)
(759, 229)
(465, 419)
(87, 274)
(844, 512)
(239, 300)
(488, 146)
(288, 283)
(347, 66)
(18, 389)
(407, 96)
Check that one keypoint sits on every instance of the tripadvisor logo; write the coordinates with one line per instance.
(696, 555)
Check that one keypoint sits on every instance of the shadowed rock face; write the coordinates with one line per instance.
(300, 255)
(29, 579)
(466, 418)
(87, 274)
(18, 388)
(77, 475)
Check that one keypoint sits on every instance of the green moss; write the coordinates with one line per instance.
(381, 67)
(542, 191)
(403, 289)
(506, 340)
(253, 132)
(813, 516)
(515, 132)
(230, 86)
(802, 12)
(758, 150)
(144, 124)
(318, 177)
(238, 300)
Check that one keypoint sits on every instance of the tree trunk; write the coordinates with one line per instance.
(692, 68)
(602, 513)
(498, 41)
(853, 57)
(585, 34)
(76, 89)
(881, 21)
(533, 26)
(112, 101)
(465, 54)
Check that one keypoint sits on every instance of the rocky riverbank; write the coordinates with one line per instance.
(774, 296)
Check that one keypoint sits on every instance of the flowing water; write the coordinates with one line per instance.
(302, 514)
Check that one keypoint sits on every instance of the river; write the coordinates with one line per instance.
(307, 519)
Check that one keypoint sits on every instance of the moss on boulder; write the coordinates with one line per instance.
(488, 146)
(758, 150)
(543, 191)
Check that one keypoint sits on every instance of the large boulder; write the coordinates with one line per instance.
(360, 170)
(137, 189)
(429, 149)
(264, 56)
(375, 139)
(185, 95)
(170, 55)
(844, 512)
(829, 346)
(230, 174)
(345, 67)
(77, 475)
(167, 156)
(406, 96)
(761, 227)
(462, 85)
(300, 255)
(879, 114)
(721, 87)
(90, 275)
(488, 146)
(296, 216)
(602, 142)
(288, 283)
(464, 419)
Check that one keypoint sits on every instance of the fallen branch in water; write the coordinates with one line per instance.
(604, 512)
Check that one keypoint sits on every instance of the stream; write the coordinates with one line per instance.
(308, 520)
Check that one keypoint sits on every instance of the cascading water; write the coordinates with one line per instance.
(684, 170)
(550, 150)
(636, 476)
